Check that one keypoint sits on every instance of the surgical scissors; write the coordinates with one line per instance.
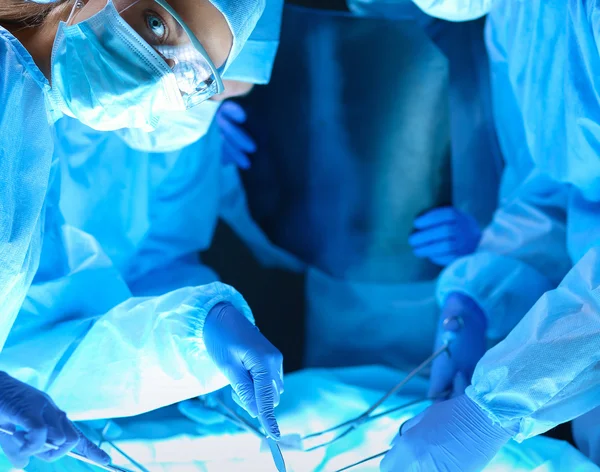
(79, 457)
(354, 423)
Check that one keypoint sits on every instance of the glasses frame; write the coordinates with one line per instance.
(216, 72)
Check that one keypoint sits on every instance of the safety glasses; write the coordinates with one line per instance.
(160, 26)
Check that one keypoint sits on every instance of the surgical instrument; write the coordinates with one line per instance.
(126, 456)
(241, 421)
(354, 423)
(277, 455)
(103, 439)
(74, 455)
(356, 464)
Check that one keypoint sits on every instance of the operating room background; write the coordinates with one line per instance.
(342, 170)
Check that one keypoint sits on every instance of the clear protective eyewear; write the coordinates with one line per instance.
(162, 28)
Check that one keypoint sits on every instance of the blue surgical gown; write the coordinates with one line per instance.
(543, 242)
(26, 145)
(112, 325)
(121, 296)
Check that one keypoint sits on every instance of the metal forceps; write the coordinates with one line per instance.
(103, 439)
(240, 421)
(354, 423)
(79, 457)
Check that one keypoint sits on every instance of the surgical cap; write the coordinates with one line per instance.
(242, 17)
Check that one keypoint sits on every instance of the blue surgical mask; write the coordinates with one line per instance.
(175, 131)
(106, 76)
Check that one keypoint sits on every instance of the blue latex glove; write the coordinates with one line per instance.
(238, 144)
(452, 436)
(442, 235)
(36, 420)
(210, 422)
(253, 366)
(453, 372)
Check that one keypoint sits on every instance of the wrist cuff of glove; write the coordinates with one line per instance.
(479, 423)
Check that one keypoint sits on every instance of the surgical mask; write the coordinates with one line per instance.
(175, 131)
(106, 76)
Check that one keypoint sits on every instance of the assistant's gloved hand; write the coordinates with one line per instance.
(202, 412)
(253, 366)
(465, 324)
(442, 235)
(452, 436)
(238, 144)
(36, 420)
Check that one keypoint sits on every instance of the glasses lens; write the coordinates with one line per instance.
(166, 35)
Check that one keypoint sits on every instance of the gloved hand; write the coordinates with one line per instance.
(442, 235)
(210, 422)
(238, 144)
(453, 436)
(36, 420)
(253, 366)
(453, 372)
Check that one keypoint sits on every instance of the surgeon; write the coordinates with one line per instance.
(179, 334)
(110, 65)
(546, 370)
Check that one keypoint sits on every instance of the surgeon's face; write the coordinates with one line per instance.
(158, 27)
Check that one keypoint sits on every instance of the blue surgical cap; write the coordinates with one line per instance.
(242, 17)
(255, 61)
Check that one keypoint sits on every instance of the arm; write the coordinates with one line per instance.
(522, 254)
(547, 371)
(100, 353)
(141, 355)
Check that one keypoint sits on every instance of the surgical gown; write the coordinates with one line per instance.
(26, 146)
(112, 325)
(121, 297)
(546, 371)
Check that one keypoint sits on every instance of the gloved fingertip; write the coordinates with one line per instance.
(20, 463)
(244, 162)
(422, 251)
(274, 433)
(413, 241)
(234, 111)
(420, 222)
(101, 457)
(269, 423)
(87, 448)
(443, 261)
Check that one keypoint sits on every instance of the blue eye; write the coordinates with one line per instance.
(157, 26)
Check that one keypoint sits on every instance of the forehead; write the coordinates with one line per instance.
(203, 18)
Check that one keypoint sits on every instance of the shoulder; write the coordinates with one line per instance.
(16, 64)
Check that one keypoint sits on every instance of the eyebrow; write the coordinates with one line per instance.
(180, 31)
